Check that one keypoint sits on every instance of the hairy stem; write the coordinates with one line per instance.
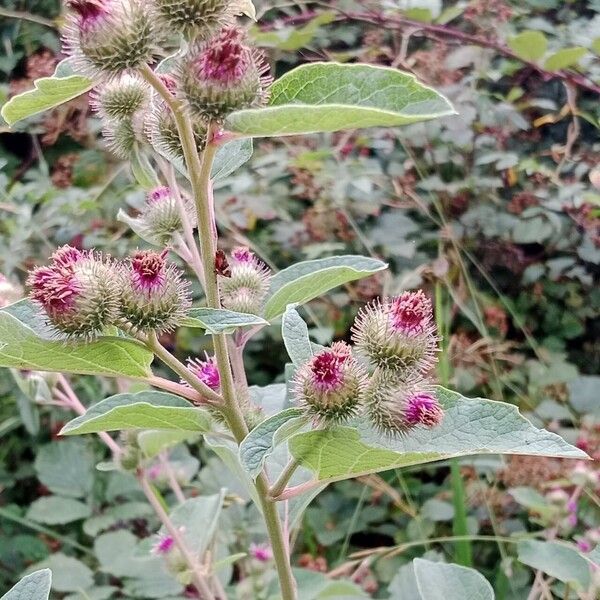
(279, 486)
(199, 168)
(197, 576)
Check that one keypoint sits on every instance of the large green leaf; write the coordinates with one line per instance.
(332, 96)
(262, 440)
(144, 410)
(470, 426)
(565, 58)
(32, 587)
(22, 348)
(57, 510)
(68, 573)
(557, 560)
(66, 468)
(47, 93)
(220, 320)
(309, 279)
(440, 581)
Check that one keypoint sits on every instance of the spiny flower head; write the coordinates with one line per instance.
(206, 371)
(223, 75)
(154, 296)
(193, 18)
(161, 214)
(122, 136)
(395, 406)
(121, 98)
(261, 552)
(162, 128)
(246, 287)
(331, 384)
(107, 37)
(398, 334)
(77, 291)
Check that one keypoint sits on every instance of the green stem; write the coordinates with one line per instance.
(279, 486)
(464, 549)
(199, 168)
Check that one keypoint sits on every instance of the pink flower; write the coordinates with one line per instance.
(423, 409)
(226, 59)
(89, 12)
(261, 552)
(163, 545)
(584, 545)
(206, 371)
(148, 269)
(158, 195)
(411, 312)
(327, 367)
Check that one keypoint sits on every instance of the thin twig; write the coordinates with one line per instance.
(25, 16)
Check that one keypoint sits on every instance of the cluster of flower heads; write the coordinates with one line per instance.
(83, 292)
(398, 339)
(218, 73)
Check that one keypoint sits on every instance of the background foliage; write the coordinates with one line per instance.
(496, 209)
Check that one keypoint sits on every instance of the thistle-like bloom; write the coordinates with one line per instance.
(396, 406)
(154, 295)
(161, 215)
(121, 98)
(78, 292)
(398, 334)
(123, 135)
(162, 128)
(246, 287)
(223, 75)
(261, 552)
(194, 18)
(331, 385)
(206, 371)
(107, 37)
(163, 545)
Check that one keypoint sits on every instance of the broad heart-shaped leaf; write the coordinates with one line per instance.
(21, 348)
(145, 410)
(219, 320)
(309, 279)
(440, 581)
(557, 560)
(262, 440)
(35, 586)
(48, 92)
(295, 336)
(332, 96)
(470, 426)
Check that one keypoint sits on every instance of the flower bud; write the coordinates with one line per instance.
(396, 406)
(331, 384)
(162, 128)
(78, 291)
(246, 287)
(121, 98)
(398, 334)
(109, 36)
(154, 296)
(161, 215)
(206, 371)
(193, 18)
(223, 75)
(123, 135)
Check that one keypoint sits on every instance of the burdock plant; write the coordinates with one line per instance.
(181, 92)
